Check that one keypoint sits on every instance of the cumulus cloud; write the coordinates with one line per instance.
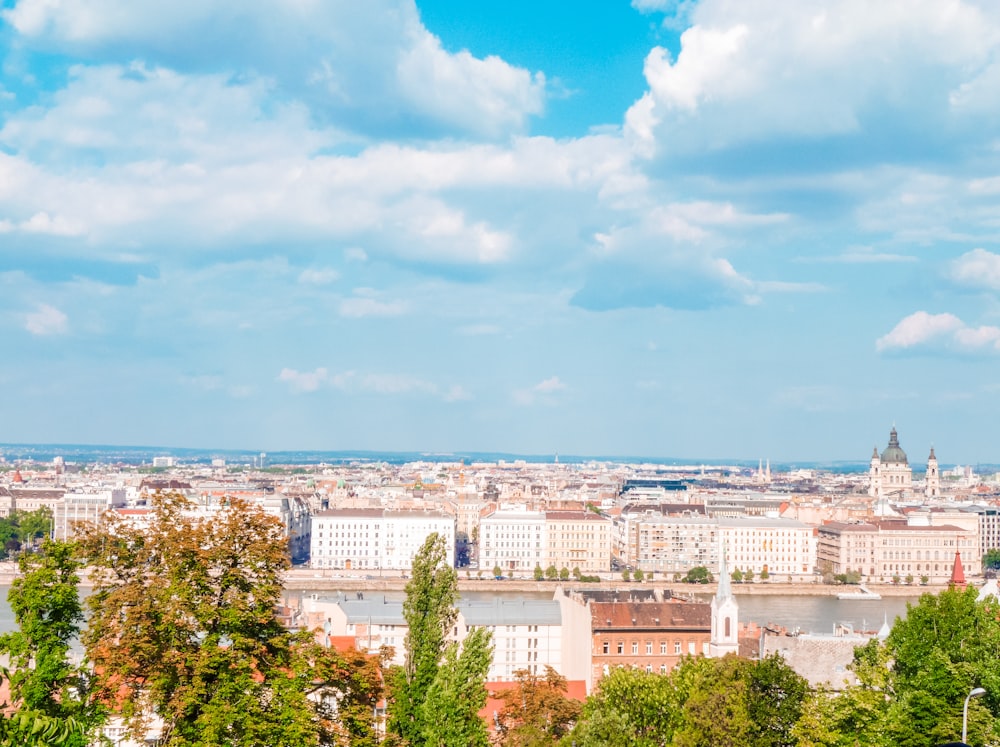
(373, 66)
(763, 69)
(543, 392)
(318, 276)
(978, 269)
(942, 332)
(304, 381)
(360, 307)
(46, 320)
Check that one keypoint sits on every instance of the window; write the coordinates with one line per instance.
(677, 647)
(663, 647)
(649, 647)
(635, 647)
(605, 648)
(621, 647)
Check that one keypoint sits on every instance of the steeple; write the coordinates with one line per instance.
(957, 573)
(725, 614)
(724, 592)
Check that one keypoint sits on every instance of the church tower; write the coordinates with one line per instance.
(725, 616)
(932, 487)
(875, 475)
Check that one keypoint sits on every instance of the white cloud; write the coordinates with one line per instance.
(543, 392)
(373, 64)
(977, 269)
(318, 276)
(46, 320)
(365, 306)
(551, 384)
(945, 332)
(477, 330)
(761, 69)
(304, 381)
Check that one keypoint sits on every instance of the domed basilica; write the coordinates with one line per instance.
(890, 475)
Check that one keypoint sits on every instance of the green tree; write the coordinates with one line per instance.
(564, 574)
(991, 559)
(536, 711)
(450, 711)
(775, 698)
(551, 573)
(576, 572)
(34, 525)
(698, 575)
(737, 576)
(51, 694)
(631, 708)
(638, 575)
(748, 575)
(497, 571)
(182, 624)
(429, 611)
(539, 574)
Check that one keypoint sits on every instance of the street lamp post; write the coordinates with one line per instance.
(974, 693)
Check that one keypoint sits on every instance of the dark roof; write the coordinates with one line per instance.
(670, 615)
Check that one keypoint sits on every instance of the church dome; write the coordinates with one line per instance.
(893, 453)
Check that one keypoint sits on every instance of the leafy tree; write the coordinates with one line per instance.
(765, 574)
(909, 578)
(51, 694)
(536, 711)
(182, 624)
(551, 573)
(775, 698)
(626, 575)
(737, 576)
(991, 559)
(346, 687)
(630, 708)
(564, 574)
(576, 572)
(714, 702)
(638, 575)
(698, 575)
(450, 711)
(429, 611)
(539, 574)
(748, 575)
(497, 571)
(34, 525)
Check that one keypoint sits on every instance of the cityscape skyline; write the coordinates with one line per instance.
(710, 230)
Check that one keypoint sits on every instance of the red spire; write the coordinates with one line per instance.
(957, 573)
(17, 476)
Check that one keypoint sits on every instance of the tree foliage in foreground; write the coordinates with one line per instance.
(536, 711)
(182, 625)
(429, 611)
(702, 702)
(50, 694)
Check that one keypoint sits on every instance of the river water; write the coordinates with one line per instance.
(809, 614)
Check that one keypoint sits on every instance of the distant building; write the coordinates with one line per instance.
(645, 629)
(882, 549)
(890, 473)
(376, 539)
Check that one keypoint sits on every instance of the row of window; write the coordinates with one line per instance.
(620, 647)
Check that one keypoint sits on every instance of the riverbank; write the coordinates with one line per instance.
(307, 579)
(310, 580)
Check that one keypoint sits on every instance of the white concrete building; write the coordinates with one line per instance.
(514, 539)
(375, 539)
(781, 547)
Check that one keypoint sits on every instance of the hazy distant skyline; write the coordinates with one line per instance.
(747, 229)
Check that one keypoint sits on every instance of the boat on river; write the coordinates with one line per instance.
(863, 593)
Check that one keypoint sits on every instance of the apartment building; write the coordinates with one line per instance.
(374, 538)
(883, 549)
(784, 548)
(578, 539)
(646, 629)
(675, 544)
(514, 539)
(527, 633)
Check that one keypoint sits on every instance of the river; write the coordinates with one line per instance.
(809, 614)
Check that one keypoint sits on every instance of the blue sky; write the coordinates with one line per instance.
(707, 229)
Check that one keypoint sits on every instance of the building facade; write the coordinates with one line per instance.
(375, 539)
(887, 549)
